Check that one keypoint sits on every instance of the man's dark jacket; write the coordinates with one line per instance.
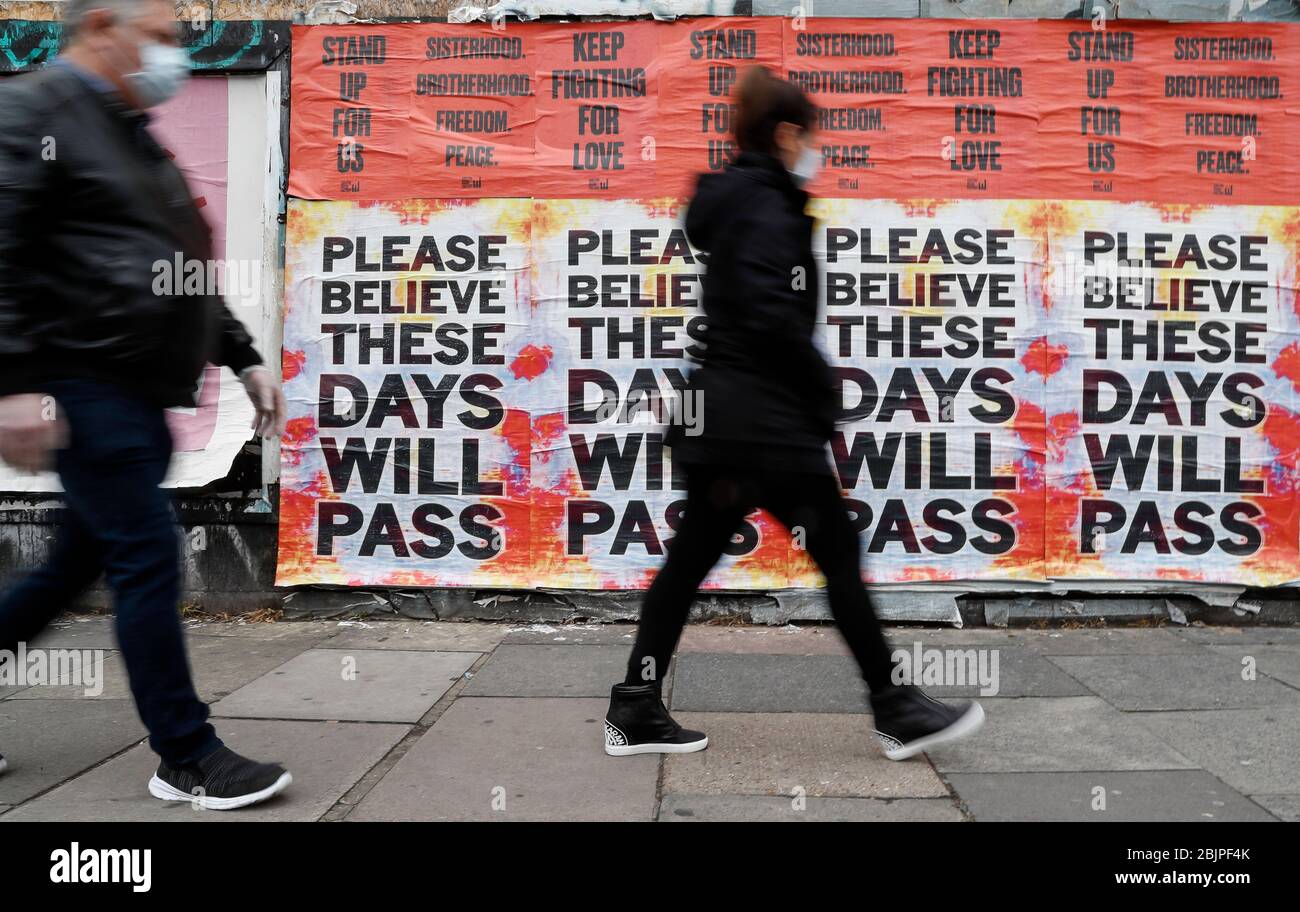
(89, 203)
(769, 398)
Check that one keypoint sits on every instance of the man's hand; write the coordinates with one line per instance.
(31, 429)
(267, 397)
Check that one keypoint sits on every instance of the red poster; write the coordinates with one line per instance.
(473, 111)
(966, 122)
(701, 62)
(859, 75)
(1216, 110)
(350, 135)
(597, 111)
(1095, 140)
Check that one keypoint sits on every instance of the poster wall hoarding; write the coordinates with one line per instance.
(1069, 341)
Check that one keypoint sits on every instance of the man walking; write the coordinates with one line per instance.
(91, 353)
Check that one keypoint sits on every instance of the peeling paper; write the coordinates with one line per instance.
(663, 10)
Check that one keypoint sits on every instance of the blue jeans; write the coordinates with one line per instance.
(119, 522)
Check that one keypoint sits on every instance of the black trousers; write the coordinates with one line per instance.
(119, 522)
(717, 499)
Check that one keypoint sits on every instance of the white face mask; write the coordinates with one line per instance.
(163, 67)
(805, 168)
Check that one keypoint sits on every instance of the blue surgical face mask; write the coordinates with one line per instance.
(806, 166)
(163, 68)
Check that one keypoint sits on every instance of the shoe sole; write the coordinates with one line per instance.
(164, 792)
(627, 750)
(967, 725)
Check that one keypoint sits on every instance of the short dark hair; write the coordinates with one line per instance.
(762, 102)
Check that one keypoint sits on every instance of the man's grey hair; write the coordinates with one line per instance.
(74, 12)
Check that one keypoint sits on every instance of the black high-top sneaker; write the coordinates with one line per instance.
(638, 723)
(221, 781)
(908, 722)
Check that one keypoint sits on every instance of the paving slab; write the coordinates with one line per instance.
(981, 636)
(497, 758)
(306, 632)
(48, 741)
(825, 754)
(1170, 682)
(988, 670)
(719, 682)
(437, 636)
(325, 758)
(1282, 663)
(787, 640)
(111, 680)
(1186, 795)
(1283, 807)
(1117, 641)
(388, 685)
(571, 635)
(219, 665)
(222, 665)
(763, 809)
(1227, 636)
(825, 639)
(550, 671)
(78, 631)
(1254, 751)
(1057, 734)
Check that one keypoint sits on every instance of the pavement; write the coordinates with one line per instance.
(410, 720)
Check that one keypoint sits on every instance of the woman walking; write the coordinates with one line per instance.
(769, 405)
